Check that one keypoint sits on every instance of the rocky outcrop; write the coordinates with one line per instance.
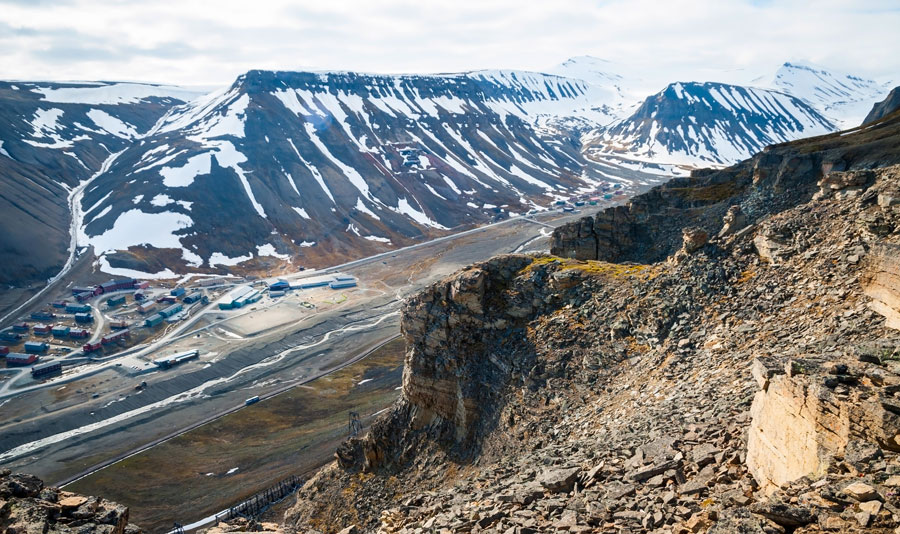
(804, 417)
(733, 221)
(881, 282)
(447, 329)
(843, 184)
(648, 228)
(27, 506)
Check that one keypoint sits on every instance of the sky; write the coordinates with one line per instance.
(209, 42)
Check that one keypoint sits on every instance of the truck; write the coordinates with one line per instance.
(251, 400)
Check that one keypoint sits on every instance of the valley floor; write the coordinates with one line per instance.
(59, 432)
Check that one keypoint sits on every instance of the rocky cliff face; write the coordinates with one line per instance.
(27, 506)
(718, 391)
(648, 228)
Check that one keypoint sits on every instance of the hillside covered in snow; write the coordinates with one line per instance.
(316, 167)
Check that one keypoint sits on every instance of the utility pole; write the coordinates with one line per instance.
(354, 427)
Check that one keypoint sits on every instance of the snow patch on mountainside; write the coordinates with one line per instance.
(268, 249)
(217, 258)
(111, 124)
(184, 176)
(135, 227)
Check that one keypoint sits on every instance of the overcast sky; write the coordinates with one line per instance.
(211, 42)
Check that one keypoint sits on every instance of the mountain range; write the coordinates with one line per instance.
(310, 168)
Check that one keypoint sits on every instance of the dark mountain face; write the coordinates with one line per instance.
(321, 167)
(53, 136)
(701, 124)
(315, 168)
(890, 104)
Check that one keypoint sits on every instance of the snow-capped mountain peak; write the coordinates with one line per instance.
(693, 124)
(842, 97)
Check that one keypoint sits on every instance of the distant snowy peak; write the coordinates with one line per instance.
(592, 70)
(108, 93)
(842, 97)
(702, 124)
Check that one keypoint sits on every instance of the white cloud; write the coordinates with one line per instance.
(198, 42)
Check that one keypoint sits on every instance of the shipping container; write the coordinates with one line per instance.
(60, 330)
(79, 333)
(36, 347)
(78, 308)
(342, 284)
(42, 315)
(59, 303)
(91, 347)
(46, 369)
(84, 318)
(171, 310)
(153, 320)
(20, 327)
(16, 359)
(117, 300)
(42, 329)
(177, 292)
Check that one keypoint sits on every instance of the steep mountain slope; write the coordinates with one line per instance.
(890, 104)
(689, 125)
(318, 167)
(744, 383)
(842, 97)
(52, 137)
